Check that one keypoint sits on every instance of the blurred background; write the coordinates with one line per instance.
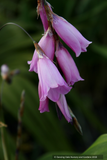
(45, 133)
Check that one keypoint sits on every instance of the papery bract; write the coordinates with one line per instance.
(47, 43)
(51, 82)
(67, 64)
(62, 104)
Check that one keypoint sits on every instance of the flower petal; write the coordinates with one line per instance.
(62, 104)
(33, 62)
(47, 43)
(43, 107)
(69, 34)
(42, 13)
(51, 81)
(67, 64)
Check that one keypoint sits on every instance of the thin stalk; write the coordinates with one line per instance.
(1, 93)
(4, 144)
(3, 134)
(19, 130)
(20, 28)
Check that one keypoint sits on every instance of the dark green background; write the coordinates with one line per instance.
(44, 133)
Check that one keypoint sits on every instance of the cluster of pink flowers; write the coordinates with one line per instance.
(52, 85)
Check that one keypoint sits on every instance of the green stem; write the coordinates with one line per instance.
(3, 134)
(4, 144)
(19, 131)
(19, 27)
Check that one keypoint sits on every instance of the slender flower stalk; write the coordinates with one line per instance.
(3, 133)
(19, 131)
(5, 152)
(11, 23)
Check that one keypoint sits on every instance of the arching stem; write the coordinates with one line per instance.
(19, 27)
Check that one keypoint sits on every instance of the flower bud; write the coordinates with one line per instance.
(4, 71)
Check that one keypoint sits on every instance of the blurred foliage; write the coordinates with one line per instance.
(98, 149)
(44, 133)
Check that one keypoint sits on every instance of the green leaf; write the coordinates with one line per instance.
(50, 156)
(99, 147)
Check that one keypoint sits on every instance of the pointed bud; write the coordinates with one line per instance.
(7, 75)
(4, 71)
(75, 122)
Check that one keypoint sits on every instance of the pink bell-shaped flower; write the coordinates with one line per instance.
(47, 43)
(67, 64)
(67, 32)
(51, 82)
(62, 104)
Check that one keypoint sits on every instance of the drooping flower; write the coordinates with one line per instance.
(62, 104)
(67, 64)
(67, 32)
(47, 43)
(51, 82)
